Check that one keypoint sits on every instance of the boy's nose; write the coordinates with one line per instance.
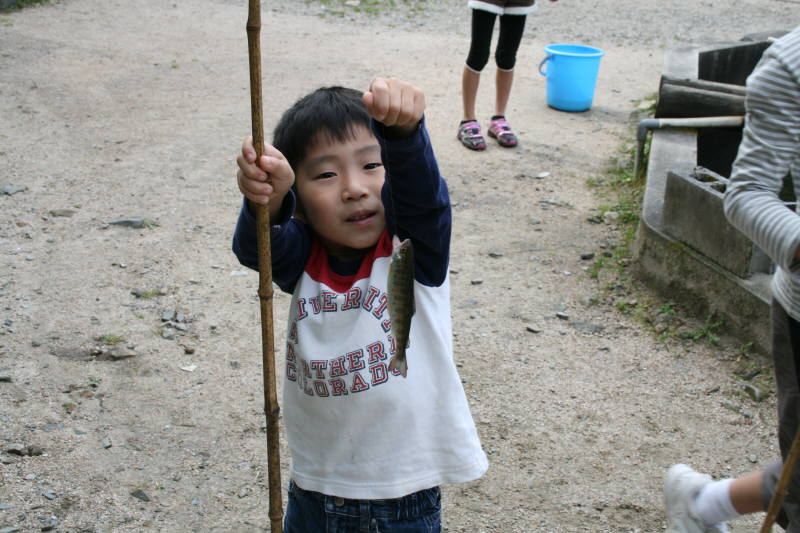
(353, 187)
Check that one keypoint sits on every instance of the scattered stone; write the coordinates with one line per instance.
(533, 329)
(195, 501)
(189, 368)
(34, 450)
(594, 219)
(118, 353)
(167, 316)
(237, 273)
(50, 494)
(168, 333)
(732, 406)
(495, 255)
(542, 175)
(4, 506)
(534, 221)
(561, 315)
(139, 494)
(235, 364)
(754, 392)
(9, 529)
(587, 256)
(610, 217)
(753, 458)
(5, 378)
(245, 492)
(106, 442)
(588, 327)
(8, 190)
(189, 350)
(50, 523)
(476, 281)
(747, 376)
(132, 222)
(17, 449)
(62, 212)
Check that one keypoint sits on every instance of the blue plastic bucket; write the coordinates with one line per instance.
(571, 75)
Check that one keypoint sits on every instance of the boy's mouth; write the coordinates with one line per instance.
(360, 216)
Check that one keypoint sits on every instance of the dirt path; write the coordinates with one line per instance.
(111, 110)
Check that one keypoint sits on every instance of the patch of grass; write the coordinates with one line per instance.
(667, 309)
(94, 382)
(110, 339)
(708, 332)
(6, 22)
(22, 4)
(340, 8)
(147, 294)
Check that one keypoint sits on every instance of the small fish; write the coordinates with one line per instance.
(401, 300)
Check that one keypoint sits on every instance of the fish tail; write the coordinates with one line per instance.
(399, 364)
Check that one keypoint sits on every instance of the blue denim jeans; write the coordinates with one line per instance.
(312, 512)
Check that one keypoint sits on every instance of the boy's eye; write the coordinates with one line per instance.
(325, 175)
(370, 166)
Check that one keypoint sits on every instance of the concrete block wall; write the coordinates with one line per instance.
(693, 215)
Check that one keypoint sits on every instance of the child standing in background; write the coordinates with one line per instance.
(512, 23)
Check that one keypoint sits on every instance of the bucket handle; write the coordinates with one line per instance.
(543, 72)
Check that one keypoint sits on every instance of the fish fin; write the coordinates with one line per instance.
(399, 364)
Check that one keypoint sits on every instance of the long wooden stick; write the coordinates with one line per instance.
(265, 291)
(782, 488)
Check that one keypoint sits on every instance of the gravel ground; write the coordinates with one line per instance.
(130, 389)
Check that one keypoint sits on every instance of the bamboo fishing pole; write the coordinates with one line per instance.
(782, 488)
(271, 407)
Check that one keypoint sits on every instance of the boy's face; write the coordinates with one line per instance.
(339, 185)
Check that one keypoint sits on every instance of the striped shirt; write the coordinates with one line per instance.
(770, 151)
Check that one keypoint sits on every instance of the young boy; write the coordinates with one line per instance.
(370, 448)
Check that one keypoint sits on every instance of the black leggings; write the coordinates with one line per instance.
(511, 28)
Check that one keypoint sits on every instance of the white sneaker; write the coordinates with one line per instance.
(681, 486)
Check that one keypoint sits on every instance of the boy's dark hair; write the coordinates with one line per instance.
(329, 113)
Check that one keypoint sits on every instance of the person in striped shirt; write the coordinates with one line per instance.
(768, 153)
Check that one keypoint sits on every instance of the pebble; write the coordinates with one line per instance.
(50, 494)
(131, 222)
(587, 256)
(245, 492)
(5, 378)
(118, 353)
(50, 523)
(476, 281)
(4, 506)
(610, 217)
(139, 494)
(106, 442)
(588, 327)
(542, 175)
(9, 529)
(8, 190)
(561, 315)
(62, 212)
(533, 329)
(754, 392)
